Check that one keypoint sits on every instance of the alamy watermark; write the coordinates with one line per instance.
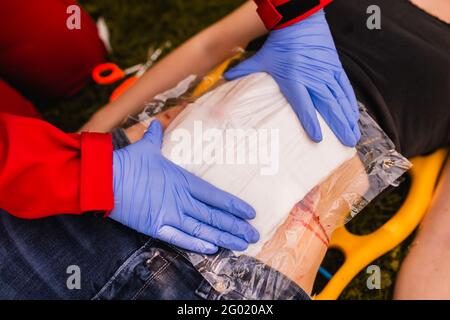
(374, 279)
(374, 20)
(73, 281)
(259, 147)
(73, 21)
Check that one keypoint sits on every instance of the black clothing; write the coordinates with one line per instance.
(400, 72)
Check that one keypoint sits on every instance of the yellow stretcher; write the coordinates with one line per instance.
(360, 251)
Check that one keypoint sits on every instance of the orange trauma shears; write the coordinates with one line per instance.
(109, 73)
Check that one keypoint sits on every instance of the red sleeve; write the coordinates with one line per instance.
(279, 14)
(45, 172)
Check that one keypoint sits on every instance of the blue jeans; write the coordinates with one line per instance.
(114, 262)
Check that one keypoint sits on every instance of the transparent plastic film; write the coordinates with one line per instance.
(243, 137)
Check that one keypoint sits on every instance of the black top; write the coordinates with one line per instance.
(401, 72)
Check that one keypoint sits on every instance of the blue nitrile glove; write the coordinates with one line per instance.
(302, 59)
(160, 199)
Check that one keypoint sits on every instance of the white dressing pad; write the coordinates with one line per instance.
(243, 137)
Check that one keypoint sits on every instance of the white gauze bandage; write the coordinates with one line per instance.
(243, 137)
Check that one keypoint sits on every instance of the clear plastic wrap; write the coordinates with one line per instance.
(310, 191)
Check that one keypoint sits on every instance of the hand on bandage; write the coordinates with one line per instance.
(303, 60)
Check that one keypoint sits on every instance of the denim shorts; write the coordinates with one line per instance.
(158, 271)
(37, 259)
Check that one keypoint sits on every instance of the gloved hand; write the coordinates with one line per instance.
(158, 198)
(302, 59)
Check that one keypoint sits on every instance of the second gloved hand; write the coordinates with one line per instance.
(302, 59)
(158, 198)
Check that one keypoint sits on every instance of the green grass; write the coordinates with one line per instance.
(135, 25)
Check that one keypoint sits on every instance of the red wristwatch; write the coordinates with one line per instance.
(277, 14)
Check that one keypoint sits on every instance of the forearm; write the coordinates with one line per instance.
(310, 224)
(197, 56)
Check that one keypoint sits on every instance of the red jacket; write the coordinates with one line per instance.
(45, 172)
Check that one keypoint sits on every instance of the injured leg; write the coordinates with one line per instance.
(301, 242)
(299, 206)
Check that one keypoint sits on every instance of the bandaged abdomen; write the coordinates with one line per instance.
(243, 137)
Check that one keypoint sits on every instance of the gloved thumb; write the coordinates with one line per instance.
(154, 134)
(243, 69)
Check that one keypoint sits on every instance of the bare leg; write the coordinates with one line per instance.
(300, 243)
(424, 273)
